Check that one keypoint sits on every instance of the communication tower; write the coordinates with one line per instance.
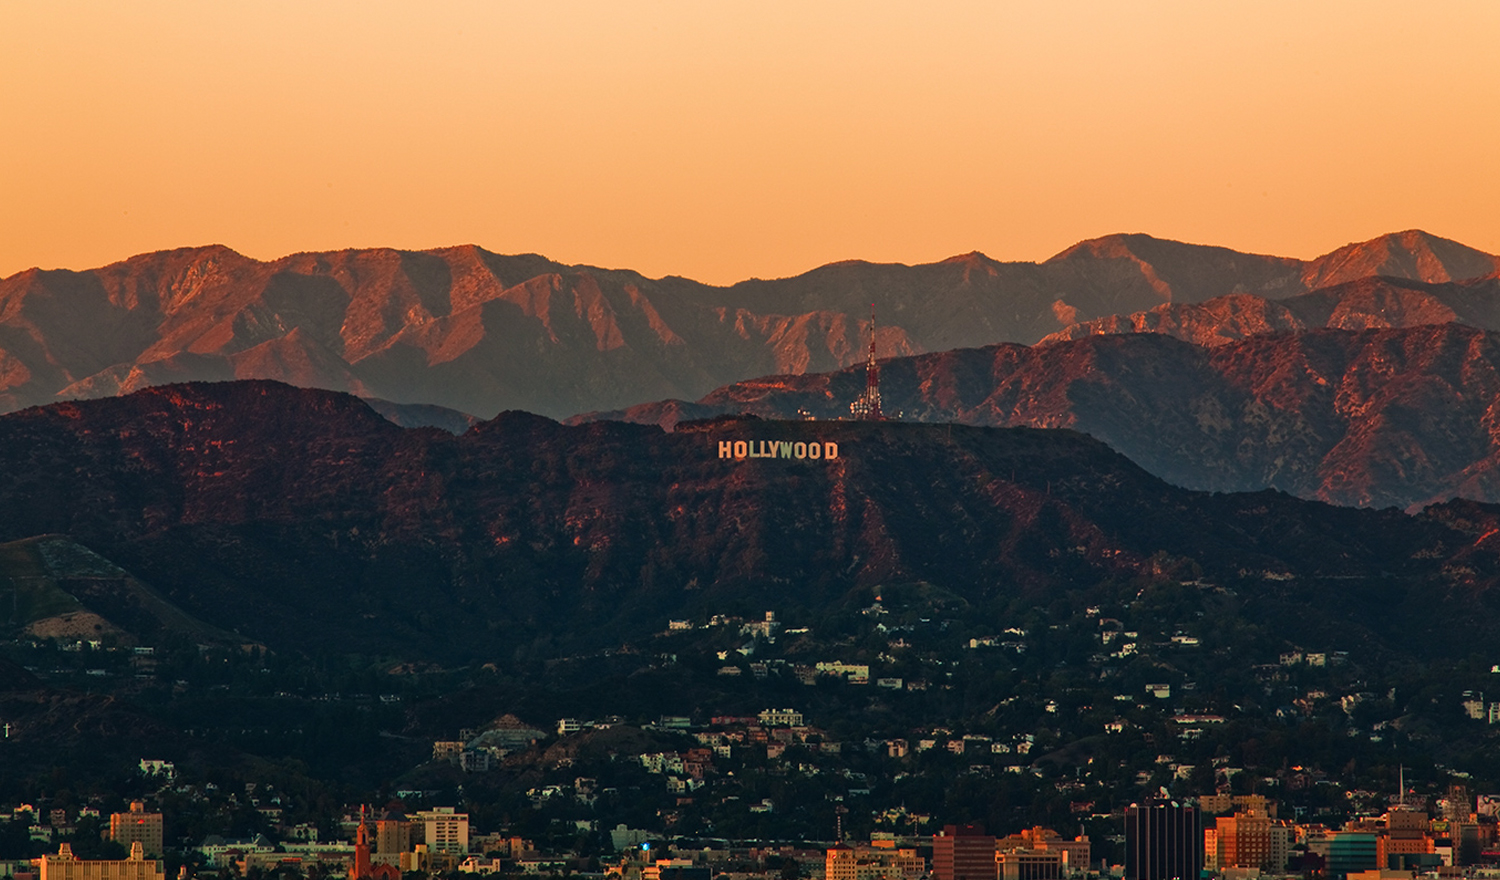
(867, 406)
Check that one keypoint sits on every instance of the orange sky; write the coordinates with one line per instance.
(722, 140)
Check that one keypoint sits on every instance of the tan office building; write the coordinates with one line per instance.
(137, 826)
(64, 866)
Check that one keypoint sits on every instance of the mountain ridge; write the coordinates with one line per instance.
(300, 517)
(480, 332)
(1372, 302)
(1377, 417)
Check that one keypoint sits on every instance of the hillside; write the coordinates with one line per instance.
(1016, 585)
(60, 589)
(1369, 418)
(479, 332)
(291, 515)
(1367, 303)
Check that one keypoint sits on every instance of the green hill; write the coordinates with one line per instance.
(50, 579)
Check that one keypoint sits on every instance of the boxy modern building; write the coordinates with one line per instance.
(1163, 841)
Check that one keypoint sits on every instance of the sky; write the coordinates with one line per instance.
(724, 140)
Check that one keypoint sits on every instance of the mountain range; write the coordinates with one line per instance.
(477, 332)
(302, 519)
(1124, 427)
(1377, 301)
(1388, 417)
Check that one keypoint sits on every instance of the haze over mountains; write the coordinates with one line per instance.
(479, 332)
(1374, 302)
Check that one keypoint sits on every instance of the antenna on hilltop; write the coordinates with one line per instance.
(867, 406)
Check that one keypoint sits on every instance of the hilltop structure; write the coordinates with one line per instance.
(867, 407)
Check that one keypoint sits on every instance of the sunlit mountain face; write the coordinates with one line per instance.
(1397, 417)
(480, 332)
(323, 585)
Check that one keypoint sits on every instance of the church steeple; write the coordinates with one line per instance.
(361, 849)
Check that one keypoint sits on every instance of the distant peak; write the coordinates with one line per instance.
(1406, 239)
(1116, 244)
(971, 258)
(195, 252)
(1411, 253)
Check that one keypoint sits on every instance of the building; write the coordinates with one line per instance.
(1216, 804)
(445, 831)
(222, 853)
(881, 860)
(1351, 852)
(855, 673)
(1249, 840)
(1031, 864)
(1071, 856)
(840, 864)
(1163, 841)
(963, 852)
(676, 869)
(364, 867)
(507, 733)
(476, 760)
(64, 866)
(137, 825)
(781, 718)
(1467, 839)
(1405, 836)
(623, 837)
(392, 839)
(1041, 854)
(481, 865)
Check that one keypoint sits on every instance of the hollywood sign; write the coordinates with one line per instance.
(738, 449)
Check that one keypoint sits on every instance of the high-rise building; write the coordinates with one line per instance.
(1163, 841)
(1467, 842)
(445, 831)
(963, 852)
(1405, 836)
(1249, 839)
(392, 839)
(137, 825)
(1457, 807)
(840, 863)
